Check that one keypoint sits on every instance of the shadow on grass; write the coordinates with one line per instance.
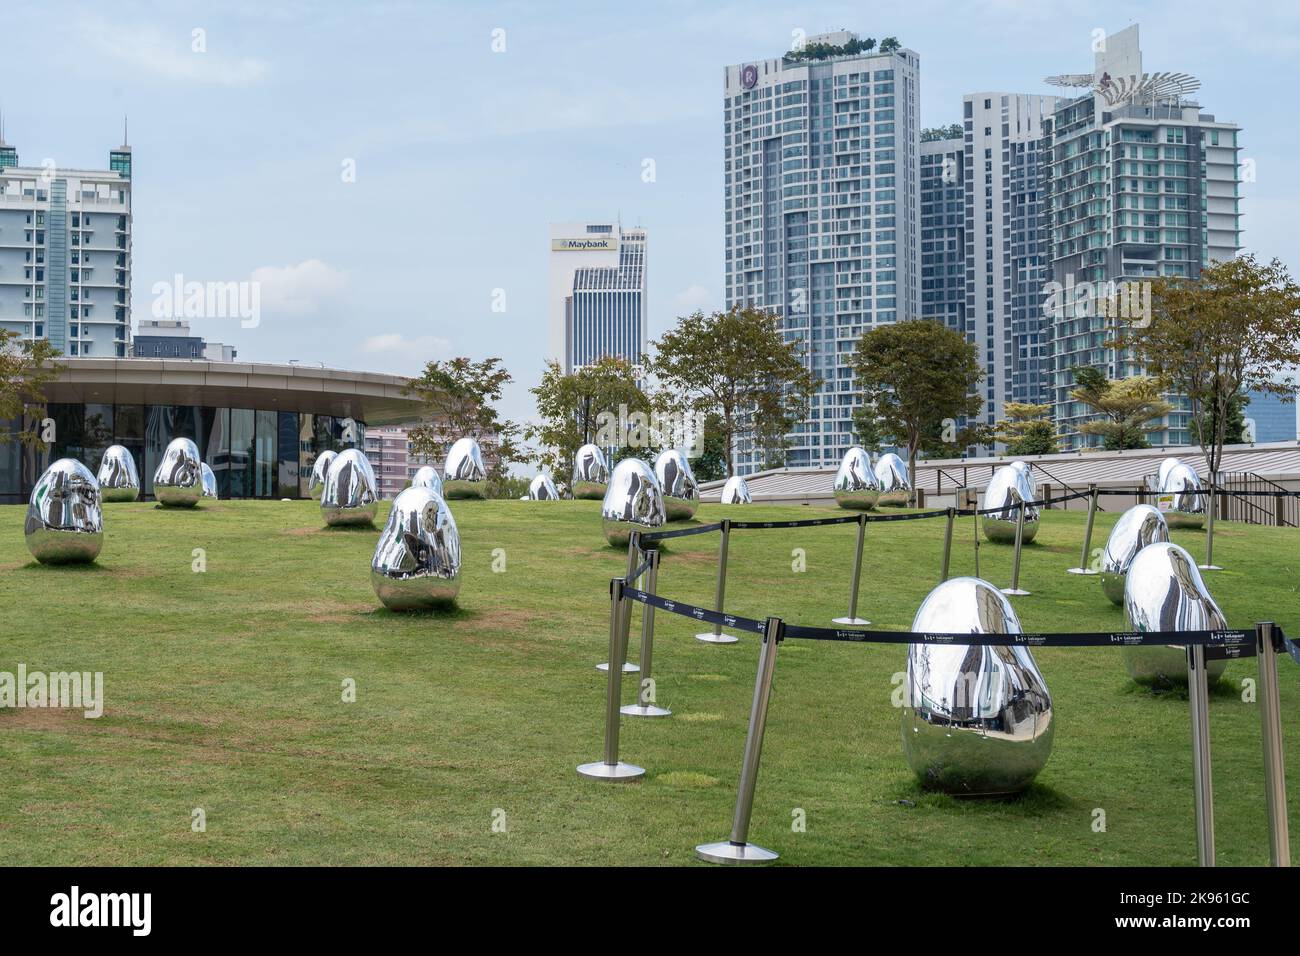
(71, 567)
(1038, 800)
(1219, 690)
(349, 529)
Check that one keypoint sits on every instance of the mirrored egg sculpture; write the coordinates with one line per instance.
(1164, 592)
(1165, 465)
(428, 477)
(1008, 487)
(351, 494)
(855, 482)
(464, 475)
(977, 721)
(65, 524)
(541, 488)
(736, 491)
(417, 561)
(633, 502)
(1188, 507)
(319, 469)
(178, 481)
(677, 482)
(891, 474)
(209, 481)
(590, 473)
(118, 478)
(1136, 528)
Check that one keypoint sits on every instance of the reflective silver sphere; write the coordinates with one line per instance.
(178, 481)
(209, 481)
(736, 491)
(319, 469)
(118, 478)
(590, 473)
(1009, 486)
(351, 493)
(677, 482)
(1165, 465)
(891, 475)
(633, 502)
(428, 477)
(1136, 528)
(1188, 508)
(541, 488)
(855, 483)
(1164, 592)
(977, 721)
(417, 561)
(464, 475)
(64, 522)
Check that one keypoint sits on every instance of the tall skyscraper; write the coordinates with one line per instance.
(1142, 184)
(65, 254)
(821, 159)
(943, 232)
(598, 293)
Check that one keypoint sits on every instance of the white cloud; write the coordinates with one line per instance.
(170, 55)
(694, 298)
(300, 288)
(422, 346)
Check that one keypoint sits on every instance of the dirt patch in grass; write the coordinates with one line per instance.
(301, 532)
(699, 717)
(687, 780)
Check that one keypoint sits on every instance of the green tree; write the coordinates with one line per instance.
(1214, 337)
(25, 368)
(918, 378)
(572, 407)
(736, 366)
(1128, 408)
(712, 463)
(1028, 429)
(890, 45)
(459, 396)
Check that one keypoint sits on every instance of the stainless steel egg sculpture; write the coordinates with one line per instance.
(891, 474)
(464, 475)
(1008, 487)
(178, 480)
(1188, 508)
(319, 469)
(541, 488)
(977, 721)
(736, 491)
(351, 493)
(427, 477)
(118, 478)
(209, 481)
(64, 522)
(855, 483)
(417, 561)
(1165, 465)
(1136, 528)
(1164, 592)
(677, 482)
(633, 502)
(590, 473)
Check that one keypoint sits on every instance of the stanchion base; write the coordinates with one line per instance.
(614, 773)
(1209, 567)
(644, 710)
(1015, 592)
(1081, 571)
(851, 620)
(735, 854)
(708, 637)
(628, 667)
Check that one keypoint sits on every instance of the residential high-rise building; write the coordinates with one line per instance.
(598, 294)
(943, 233)
(65, 254)
(821, 159)
(173, 338)
(1142, 184)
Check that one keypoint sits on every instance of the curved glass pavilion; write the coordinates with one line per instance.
(260, 427)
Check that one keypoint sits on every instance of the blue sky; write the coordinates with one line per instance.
(464, 155)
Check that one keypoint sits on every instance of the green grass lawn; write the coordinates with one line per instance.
(224, 692)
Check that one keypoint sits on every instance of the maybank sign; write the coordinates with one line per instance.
(587, 244)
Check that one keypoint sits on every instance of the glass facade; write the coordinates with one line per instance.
(254, 453)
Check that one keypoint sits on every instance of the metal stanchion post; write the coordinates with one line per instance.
(738, 849)
(716, 636)
(947, 545)
(611, 768)
(857, 574)
(645, 702)
(1015, 589)
(1086, 555)
(975, 519)
(1209, 564)
(633, 554)
(1198, 696)
(1270, 718)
